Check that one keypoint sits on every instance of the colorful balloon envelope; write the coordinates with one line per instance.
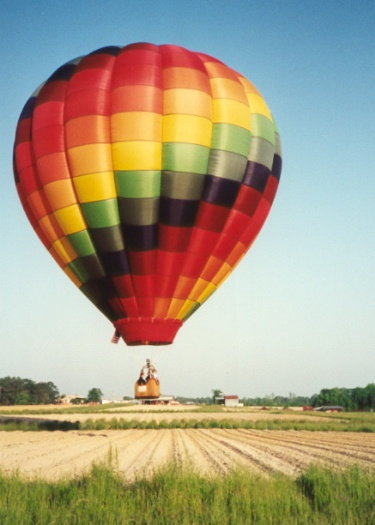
(147, 172)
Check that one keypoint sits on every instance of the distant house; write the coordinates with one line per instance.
(228, 401)
(330, 408)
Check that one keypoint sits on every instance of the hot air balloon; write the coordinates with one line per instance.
(147, 172)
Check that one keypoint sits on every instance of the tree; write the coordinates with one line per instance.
(216, 392)
(22, 398)
(45, 393)
(95, 395)
(370, 390)
(359, 396)
(12, 390)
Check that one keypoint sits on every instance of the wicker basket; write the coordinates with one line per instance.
(149, 390)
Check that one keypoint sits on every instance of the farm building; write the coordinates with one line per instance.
(228, 401)
(161, 400)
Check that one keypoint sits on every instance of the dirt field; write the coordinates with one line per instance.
(53, 455)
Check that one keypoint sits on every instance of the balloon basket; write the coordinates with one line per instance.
(149, 390)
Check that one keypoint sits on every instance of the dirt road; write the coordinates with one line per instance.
(53, 455)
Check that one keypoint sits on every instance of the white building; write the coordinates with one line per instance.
(232, 401)
(229, 401)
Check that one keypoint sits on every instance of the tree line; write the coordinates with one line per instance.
(351, 399)
(19, 391)
(277, 401)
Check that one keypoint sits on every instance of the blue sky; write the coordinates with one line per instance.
(298, 314)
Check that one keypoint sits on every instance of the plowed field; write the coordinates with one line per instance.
(52, 455)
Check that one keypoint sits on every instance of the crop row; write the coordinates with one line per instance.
(351, 425)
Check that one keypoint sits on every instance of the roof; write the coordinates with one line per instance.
(230, 397)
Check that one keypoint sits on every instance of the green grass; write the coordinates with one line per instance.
(182, 497)
(12, 424)
(350, 425)
(271, 424)
(344, 422)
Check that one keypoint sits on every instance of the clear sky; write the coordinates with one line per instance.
(298, 314)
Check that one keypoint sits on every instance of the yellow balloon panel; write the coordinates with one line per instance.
(95, 187)
(231, 112)
(185, 309)
(137, 155)
(257, 105)
(207, 292)
(70, 219)
(187, 128)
